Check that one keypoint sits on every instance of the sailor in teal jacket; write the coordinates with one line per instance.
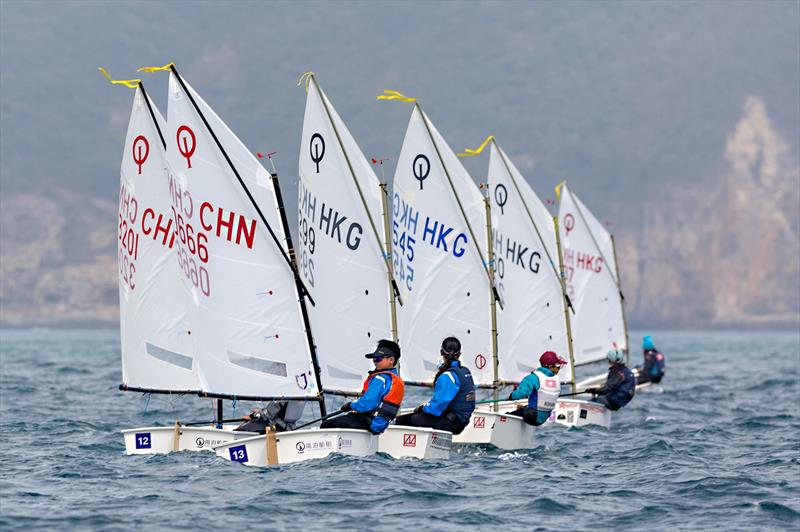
(541, 388)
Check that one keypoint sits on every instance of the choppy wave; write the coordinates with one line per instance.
(711, 447)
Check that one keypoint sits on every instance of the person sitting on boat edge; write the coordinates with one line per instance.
(278, 415)
(381, 394)
(654, 363)
(620, 383)
(453, 398)
(541, 388)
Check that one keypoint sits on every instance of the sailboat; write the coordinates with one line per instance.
(592, 281)
(441, 262)
(345, 261)
(246, 313)
(159, 354)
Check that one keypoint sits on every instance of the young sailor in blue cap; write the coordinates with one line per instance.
(654, 363)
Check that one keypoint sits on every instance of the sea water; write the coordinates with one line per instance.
(715, 446)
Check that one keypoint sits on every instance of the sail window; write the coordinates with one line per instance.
(262, 365)
(170, 357)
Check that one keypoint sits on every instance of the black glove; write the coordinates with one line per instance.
(418, 410)
(346, 407)
(592, 391)
(510, 398)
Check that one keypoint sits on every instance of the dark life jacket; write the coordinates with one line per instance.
(463, 404)
(621, 394)
(653, 363)
(390, 404)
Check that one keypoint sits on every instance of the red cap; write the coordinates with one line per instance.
(549, 358)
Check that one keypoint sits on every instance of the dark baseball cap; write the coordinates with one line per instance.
(386, 348)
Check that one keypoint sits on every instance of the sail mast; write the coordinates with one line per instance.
(622, 303)
(566, 308)
(387, 235)
(492, 303)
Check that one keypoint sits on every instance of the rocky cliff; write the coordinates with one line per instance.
(724, 252)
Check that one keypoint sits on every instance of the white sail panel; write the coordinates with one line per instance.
(442, 279)
(597, 325)
(526, 265)
(245, 314)
(157, 351)
(340, 250)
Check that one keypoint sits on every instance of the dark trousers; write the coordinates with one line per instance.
(351, 420)
(447, 421)
(603, 400)
(530, 415)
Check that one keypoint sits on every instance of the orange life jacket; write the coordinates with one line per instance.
(390, 404)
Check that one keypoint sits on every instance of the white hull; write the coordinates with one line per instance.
(163, 440)
(579, 413)
(298, 446)
(415, 442)
(498, 429)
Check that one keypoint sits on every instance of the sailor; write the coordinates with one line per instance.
(653, 369)
(380, 397)
(620, 383)
(279, 415)
(541, 388)
(453, 398)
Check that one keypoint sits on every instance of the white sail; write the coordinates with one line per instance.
(245, 314)
(526, 273)
(340, 248)
(157, 351)
(443, 281)
(597, 325)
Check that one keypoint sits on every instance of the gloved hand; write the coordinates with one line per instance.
(418, 410)
(510, 398)
(346, 407)
(592, 391)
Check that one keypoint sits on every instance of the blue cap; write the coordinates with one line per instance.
(647, 343)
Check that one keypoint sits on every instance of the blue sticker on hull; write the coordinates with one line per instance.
(143, 440)
(238, 453)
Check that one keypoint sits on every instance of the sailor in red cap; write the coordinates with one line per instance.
(541, 388)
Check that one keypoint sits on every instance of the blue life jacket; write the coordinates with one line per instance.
(463, 404)
(622, 394)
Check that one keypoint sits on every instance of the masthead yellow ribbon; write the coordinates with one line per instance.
(472, 153)
(305, 78)
(130, 83)
(558, 189)
(394, 95)
(156, 68)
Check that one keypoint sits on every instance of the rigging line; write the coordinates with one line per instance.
(486, 267)
(303, 290)
(599, 250)
(152, 115)
(387, 260)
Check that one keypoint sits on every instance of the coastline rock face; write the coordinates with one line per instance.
(722, 253)
(58, 260)
(726, 251)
